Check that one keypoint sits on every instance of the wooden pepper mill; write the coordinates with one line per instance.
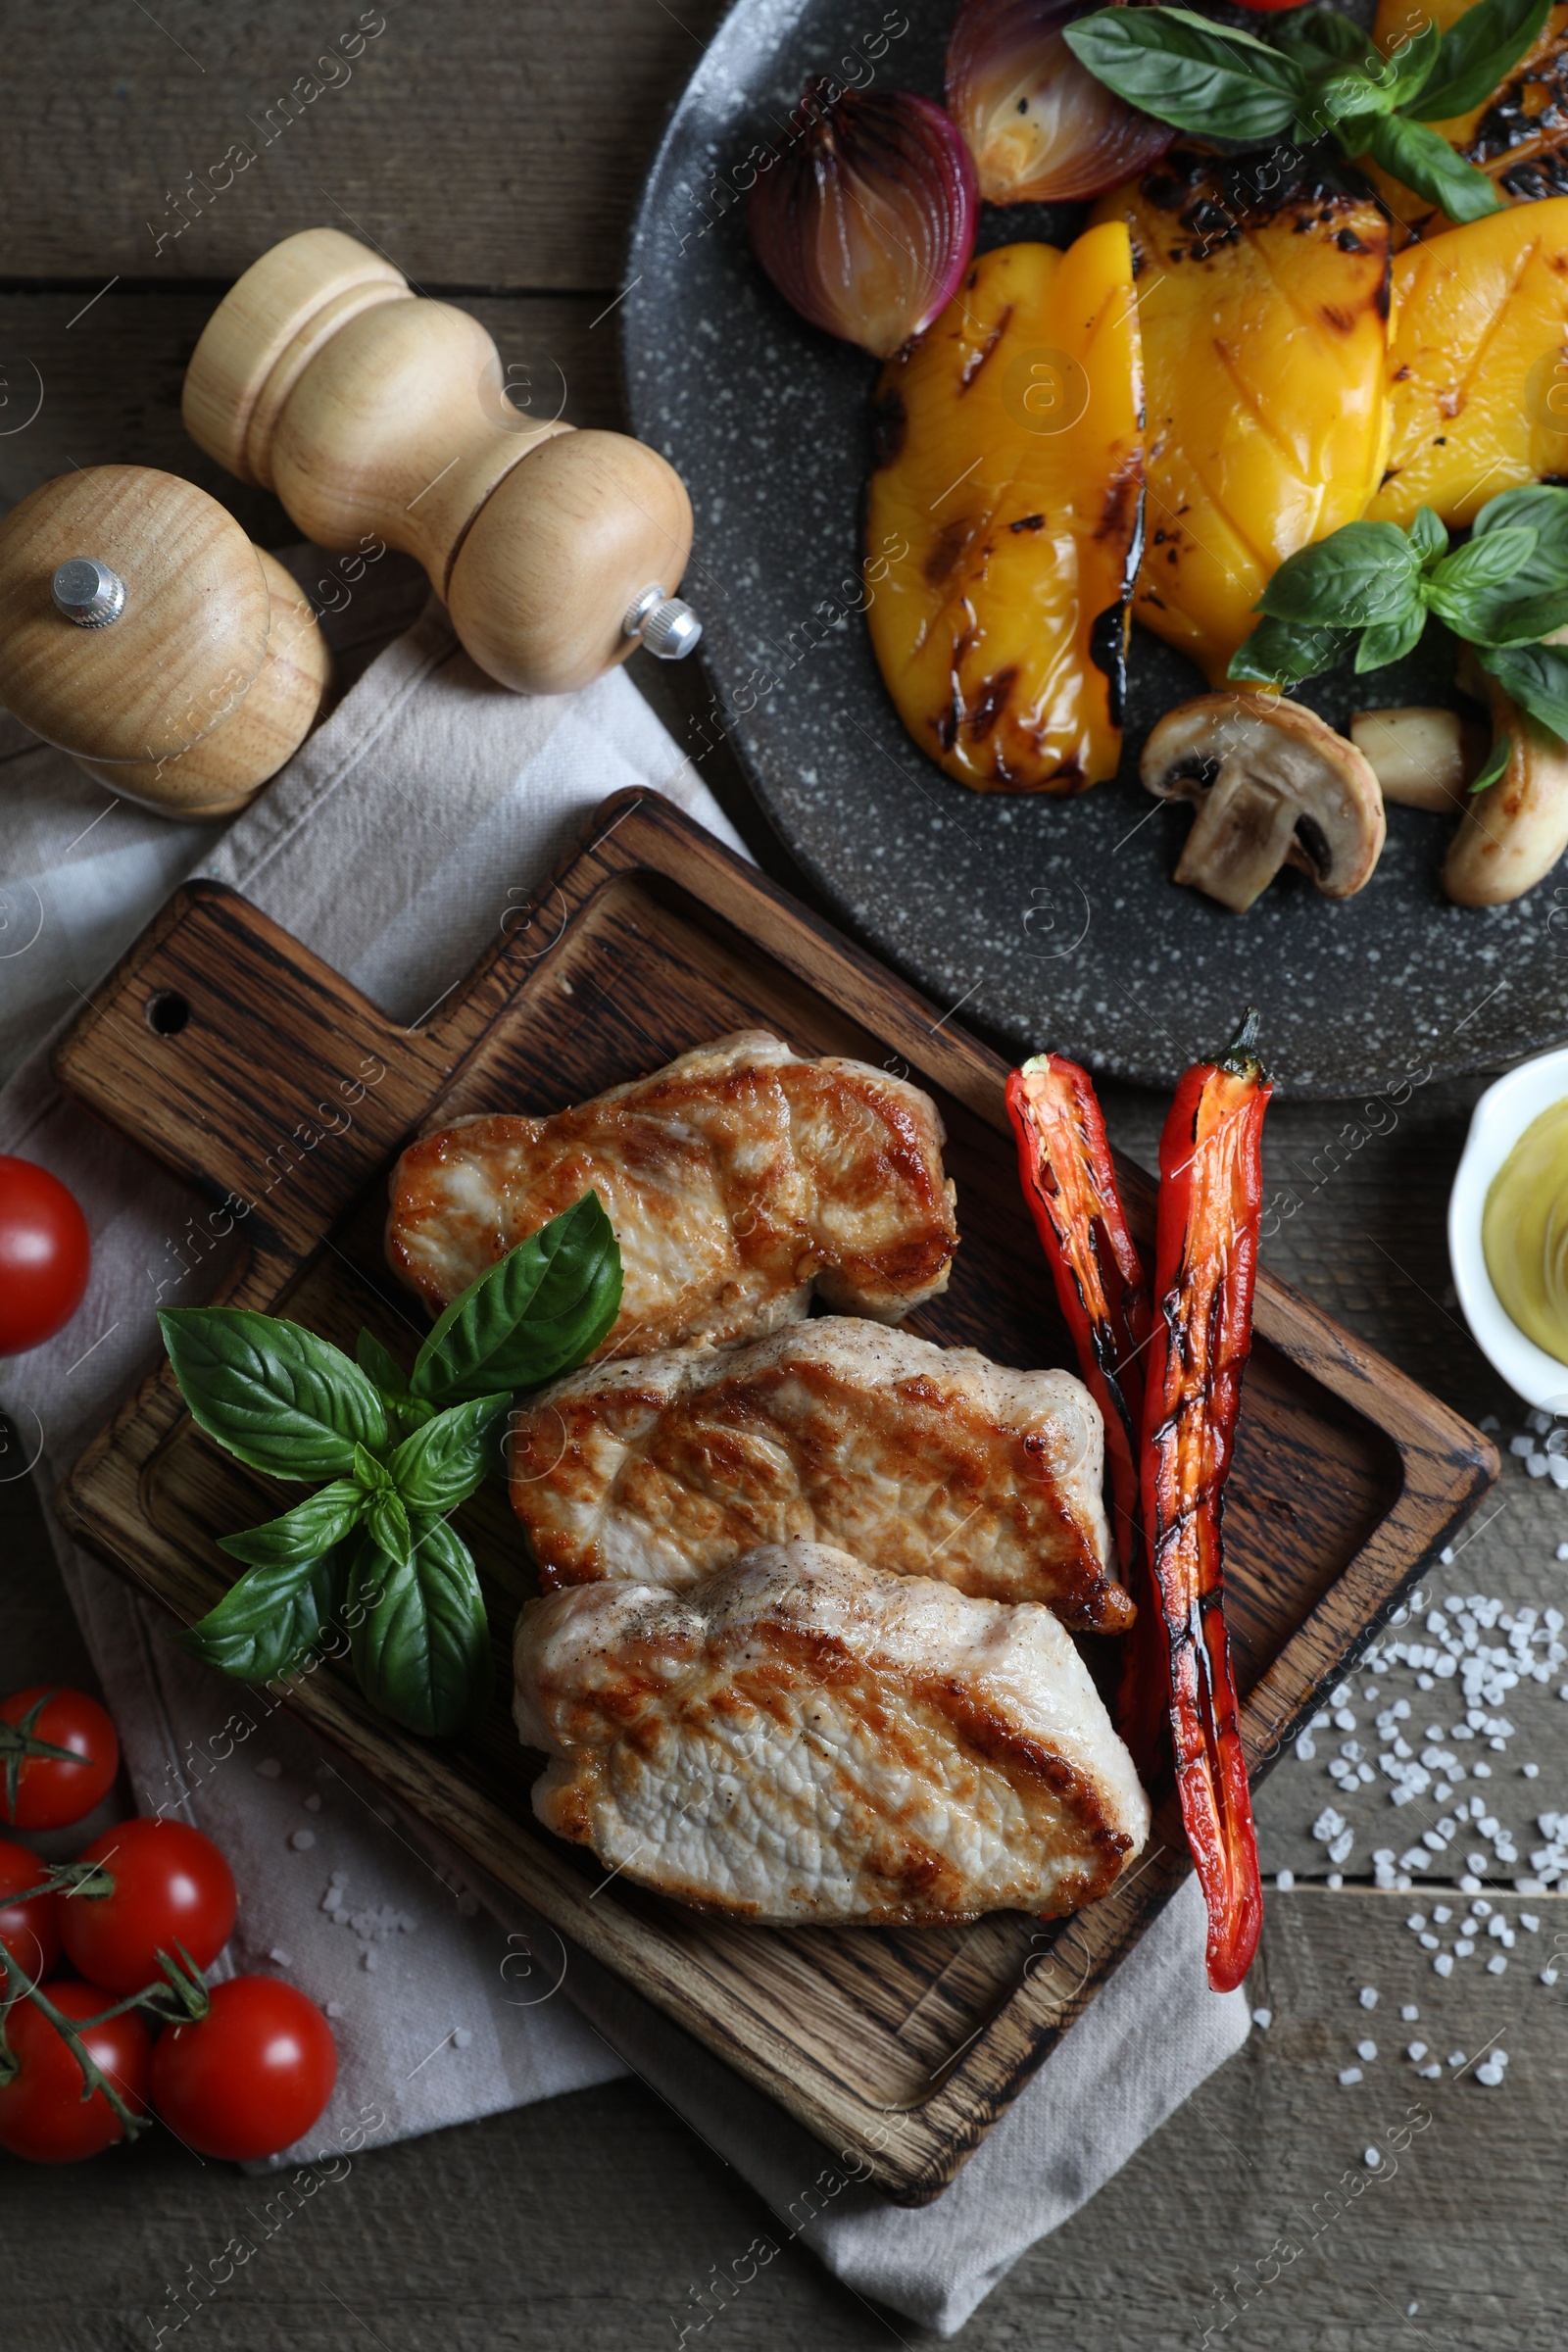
(324, 378)
(142, 633)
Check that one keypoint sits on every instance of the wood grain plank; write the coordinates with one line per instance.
(54, 355)
(479, 146)
(652, 939)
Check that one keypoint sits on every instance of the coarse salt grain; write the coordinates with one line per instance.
(1443, 1964)
(1263, 2019)
(1368, 1996)
(1285, 1880)
(1367, 2051)
(302, 1841)
(1416, 2052)
(1409, 2013)
(1349, 2075)
(1372, 2158)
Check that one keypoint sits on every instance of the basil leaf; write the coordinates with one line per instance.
(546, 1306)
(1390, 640)
(1466, 585)
(421, 1648)
(1536, 676)
(380, 1365)
(1501, 753)
(1183, 70)
(1280, 654)
(1427, 535)
(303, 1533)
(270, 1619)
(1430, 168)
(1501, 622)
(1543, 506)
(1409, 66)
(1365, 571)
(1530, 604)
(1476, 51)
(276, 1396)
(442, 1463)
(1322, 36)
(1349, 95)
(386, 1515)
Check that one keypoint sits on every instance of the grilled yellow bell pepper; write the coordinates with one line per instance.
(1264, 326)
(1518, 135)
(1011, 470)
(1478, 363)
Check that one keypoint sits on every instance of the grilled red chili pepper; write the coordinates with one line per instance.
(1069, 1182)
(1071, 1186)
(1205, 1261)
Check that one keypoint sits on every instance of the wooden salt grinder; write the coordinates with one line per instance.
(142, 633)
(371, 411)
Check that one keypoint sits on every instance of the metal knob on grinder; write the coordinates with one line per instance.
(177, 661)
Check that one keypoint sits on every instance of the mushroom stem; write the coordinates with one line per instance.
(1240, 838)
(1421, 759)
(1513, 833)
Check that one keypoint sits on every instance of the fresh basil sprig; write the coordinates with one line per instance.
(371, 1549)
(1320, 78)
(1373, 586)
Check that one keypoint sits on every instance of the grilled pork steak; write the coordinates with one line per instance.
(738, 1178)
(803, 1738)
(931, 1461)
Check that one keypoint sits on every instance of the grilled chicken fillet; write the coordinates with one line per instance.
(738, 1178)
(931, 1461)
(803, 1738)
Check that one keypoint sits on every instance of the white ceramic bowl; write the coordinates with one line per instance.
(1500, 1119)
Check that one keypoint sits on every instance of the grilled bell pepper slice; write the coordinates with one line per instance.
(1205, 1263)
(1069, 1182)
(1518, 135)
(1263, 303)
(1009, 473)
(1477, 386)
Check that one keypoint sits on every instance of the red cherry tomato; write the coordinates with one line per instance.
(43, 2115)
(171, 1886)
(251, 2077)
(45, 1256)
(30, 1931)
(50, 1793)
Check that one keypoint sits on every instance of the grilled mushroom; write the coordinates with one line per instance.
(1421, 759)
(1272, 785)
(1513, 832)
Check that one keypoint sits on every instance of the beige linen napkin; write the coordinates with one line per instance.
(448, 2001)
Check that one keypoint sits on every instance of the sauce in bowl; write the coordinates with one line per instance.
(1524, 1232)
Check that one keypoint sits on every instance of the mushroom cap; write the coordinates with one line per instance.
(1272, 785)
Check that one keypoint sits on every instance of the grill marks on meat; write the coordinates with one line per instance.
(927, 1461)
(737, 1178)
(802, 1738)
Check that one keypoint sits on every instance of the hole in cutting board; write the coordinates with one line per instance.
(167, 1012)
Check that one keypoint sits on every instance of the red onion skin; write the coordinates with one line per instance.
(866, 221)
(1004, 51)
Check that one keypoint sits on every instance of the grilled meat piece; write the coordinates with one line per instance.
(803, 1738)
(737, 1178)
(931, 1461)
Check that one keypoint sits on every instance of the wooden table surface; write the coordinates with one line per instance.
(494, 153)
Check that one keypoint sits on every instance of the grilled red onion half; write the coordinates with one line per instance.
(1041, 128)
(865, 221)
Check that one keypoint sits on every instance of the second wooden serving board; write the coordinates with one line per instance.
(251, 1068)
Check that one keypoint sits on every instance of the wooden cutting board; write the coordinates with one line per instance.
(250, 1067)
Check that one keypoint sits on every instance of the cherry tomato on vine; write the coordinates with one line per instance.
(171, 1886)
(48, 1793)
(30, 1931)
(249, 2078)
(45, 1256)
(43, 2115)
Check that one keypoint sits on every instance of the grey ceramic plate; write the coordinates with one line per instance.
(1046, 921)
